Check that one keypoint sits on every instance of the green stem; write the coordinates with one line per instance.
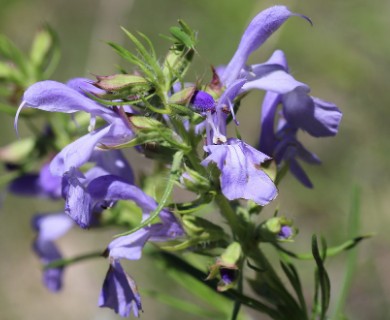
(230, 215)
(354, 226)
(67, 261)
(240, 287)
(281, 173)
(332, 251)
(177, 160)
(285, 299)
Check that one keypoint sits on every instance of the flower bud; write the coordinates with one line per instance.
(118, 82)
(277, 229)
(226, 267)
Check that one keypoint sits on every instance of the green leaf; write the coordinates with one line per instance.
(9, 51)
(192, 279)
(292, 275)
(180, 304)
(10, 73)
(10, 110)
(149, 57)
(41, 46)
(127, 55)
(53, 55)
(332, 251)
(353, 230)
(322, 278)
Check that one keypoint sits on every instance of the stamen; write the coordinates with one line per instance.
(92, 123)
(17, 117)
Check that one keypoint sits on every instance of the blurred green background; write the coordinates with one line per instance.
(345, 58)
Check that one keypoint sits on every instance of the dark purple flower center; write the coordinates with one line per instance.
(285, 232)
(228, 275)
(202, 101)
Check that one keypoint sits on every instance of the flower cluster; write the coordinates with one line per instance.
(170, 121)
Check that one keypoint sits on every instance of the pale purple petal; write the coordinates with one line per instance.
(317, 117)
(84, 85)
(52, 226)
(231, 92)
(48, 252)
(130, 246)
(50, 184)
(258, 31)
(298, 172)
(119, 133)
(54, 96)
(78, 204)
(277, 81)
(78, 152)
(268, 112)
(171, 227)
(120, 292)
(115, 163)
(114, 188)
(241, 175)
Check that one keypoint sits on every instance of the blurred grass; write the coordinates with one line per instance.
(345, 58)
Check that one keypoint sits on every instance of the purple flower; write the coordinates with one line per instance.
(57, 97)
(43, 184)
(258, 31)
(241, 175)
(50, 227)
(80, 205)
(287, 148)
(130, 246)
(238, 78)
(299, 111)
(120, 292)
(311, 114)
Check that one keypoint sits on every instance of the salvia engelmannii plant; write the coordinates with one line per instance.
(182, 126)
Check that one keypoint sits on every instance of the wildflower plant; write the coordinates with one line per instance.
(182, 126)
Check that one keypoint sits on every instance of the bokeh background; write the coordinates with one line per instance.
(344, 57)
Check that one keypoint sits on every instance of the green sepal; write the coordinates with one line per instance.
(193, 181)
(197, 226)
(180, 54)
(182, 97)
(232, 254)
(140, 122)
(122, 81)
(268, 231)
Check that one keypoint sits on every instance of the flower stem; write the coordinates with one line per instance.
(229, 214)
(176, 163)
(67, 261)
